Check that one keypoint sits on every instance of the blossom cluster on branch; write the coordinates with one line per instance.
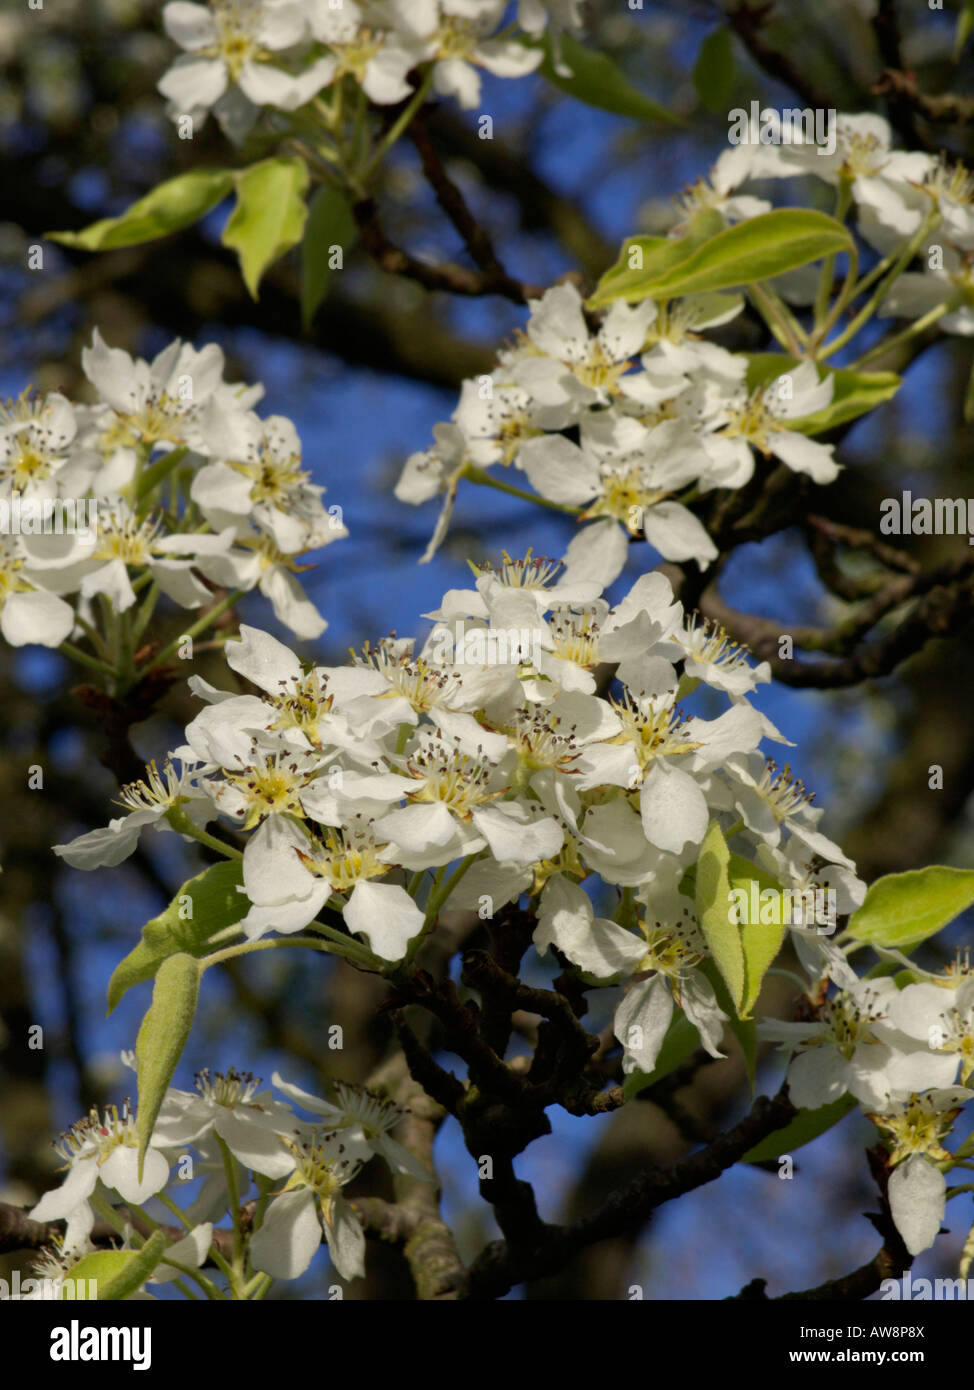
(624, 422)
(169, 483)
(242, 55)
(237, 1139)
(537, 751)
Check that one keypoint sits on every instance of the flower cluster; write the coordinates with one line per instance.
(232, 1135)
(625, 424)
(490, 747)
(241, 55)
(650, 435)
(169, 483)
(542, 748)
(901, 1053)
(902, 201)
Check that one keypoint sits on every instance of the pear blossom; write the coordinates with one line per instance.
(147, 801)
(363, 1117)
(239, 55)
(854, 1047)
(915, 1130)
(311, 1203)
(229, 1105)
(101, 1148)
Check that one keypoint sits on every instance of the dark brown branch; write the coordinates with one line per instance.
(498, 1268)
(748, 22)
(946, 109)
(945, 603)
(453, 203)
(455, 279)
(886, 26)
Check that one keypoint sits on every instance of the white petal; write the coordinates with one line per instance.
(191, 1250)
(816, 1077)
(346, 1240)
(677, 534)
(36, 617)
(286, 1242)
(253, 1144)
(191, 26)
(291, 605)
(121, 1171)
(917, 1197)
(262, 659)
(419, 827)
(673, 808)
(804, 455)
(559, 469)
(385, 915)
(642, 1019)
(516, 842)
(598, 553)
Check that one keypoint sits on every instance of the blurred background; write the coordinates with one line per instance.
(82, 134)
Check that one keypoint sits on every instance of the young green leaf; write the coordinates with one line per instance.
(167, 208)
(806, 1126)
(203, 906)
(965, 23)
(745, 1030)
(901, 910)
(269, 216)
(713, 72)
(119, 1273)
(760, 941)
(161, 1039)
(330, 225)
(595, 80)
(853, 393)
(722, 935)
(755, 250)
(650, 257)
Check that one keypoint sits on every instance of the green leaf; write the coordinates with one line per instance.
(754, 250)
(330, 224)
(745, 1030)
(597, 81)
(680, 1041)
(269, 216)
(965, 23)
(172, 205)
(901, 910)
(723, 937)
(120, 1273)
(161, 1039)
(806, 1126)
(650, 257)
(760, 941)
(101, 1267)
(205, 905)
(853, 393)
(713, 72)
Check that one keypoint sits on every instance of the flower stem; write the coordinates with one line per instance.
(897, 339)
(483, 479)
(396, 129)
(210, 616)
